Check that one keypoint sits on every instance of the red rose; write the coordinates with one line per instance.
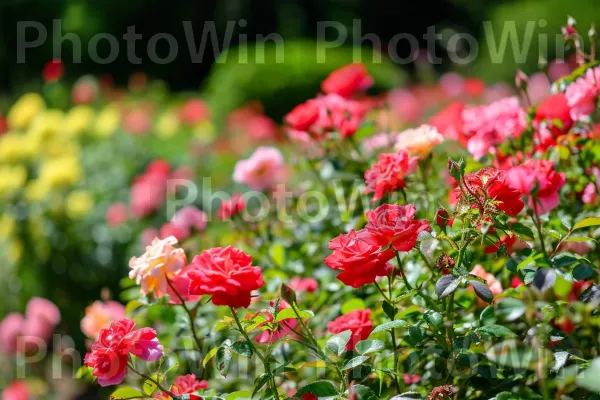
(17, 390)
(449, 122)
(231, 207)
(395, 225)
(53, 70)
(555, 108)
(227, 274)
(359, 261)
(388, 173)
(186, 384)
(303, 116)
(109, 354)
(347, 80)
(309, 396)
(358, 321)
(492, 184)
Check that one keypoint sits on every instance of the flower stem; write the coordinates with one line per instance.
(189, 313)
(158, 385)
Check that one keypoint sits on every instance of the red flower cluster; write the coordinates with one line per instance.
(538, 175)
(347, 80)
(388, 173)
(227, 274)
(186, 384)
(395, 225)
(358, 321)
(491, 184)
(109, 354)
(552, 119)
(360, 261)
(231, 207)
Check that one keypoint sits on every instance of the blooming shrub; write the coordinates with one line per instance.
(388, 256)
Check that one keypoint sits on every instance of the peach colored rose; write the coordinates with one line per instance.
(99, 316)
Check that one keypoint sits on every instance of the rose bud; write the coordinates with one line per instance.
(442, 218)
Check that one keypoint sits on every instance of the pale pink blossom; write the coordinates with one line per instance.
(379, 141)
(161, 261)
(16, 390)
(419, 141)
(11, 328)
(582, 94)
(306, 143)
(99, 316)
(489, 125)
(263, 170)
(116, 214)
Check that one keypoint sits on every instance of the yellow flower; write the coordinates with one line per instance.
(107, 122)
(12, 178)
(24, 110)
(79, 204)
(167, 125)
(161, 260)
(36, 190)
(15, 250)
(63, 171)
(60, 146)
(15, 147)
(47, 125)
(8, 226)
(78, 120)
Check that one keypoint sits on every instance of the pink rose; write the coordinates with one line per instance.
(263, 170)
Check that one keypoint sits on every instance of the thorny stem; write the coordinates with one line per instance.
(146, 377)
(189, 313)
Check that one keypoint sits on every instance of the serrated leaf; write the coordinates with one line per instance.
(126, 393)
(369, 346)
(337, 344)
(587, 222)
(564, 260)
(389, 325)
(389, 310)
(446, 285)
(318, 388)
(288, 313)
(523, 232)
(510, 309)
(243, 348)
(209, 355)
(223, 357)
(433, 318)
(355, 362)
(498, 331)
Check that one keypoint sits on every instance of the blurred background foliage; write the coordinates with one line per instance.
(230, 83)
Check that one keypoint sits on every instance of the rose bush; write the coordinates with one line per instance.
(432, 243)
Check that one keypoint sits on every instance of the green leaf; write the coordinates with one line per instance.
(433, 318)
(277, 254)
(508, 396)
(259, 382)
(355, 362)
(579, 239)
(243, 348)
(446, 285)
(589, 221)
(337, 344)
(209, 355)
(389, 310)
(564, 259)
(523, 232)
(498, 331)
(389, 325)
(240, 394)
(318, 388)
(353, 304)
(369, 346)
(408, 396)
(482, 291)
(588, 379)
(149, 386)
(288, 313)
(510, 309)
(125, 393)
(223, 357)
(362, 392)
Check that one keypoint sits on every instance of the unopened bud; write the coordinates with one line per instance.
(521, 80)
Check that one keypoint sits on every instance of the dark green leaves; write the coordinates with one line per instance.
(446, 285)
(223, 357)
(497, 331)
(369, 346)
(389, 325)
(242, 348)
(318, 388)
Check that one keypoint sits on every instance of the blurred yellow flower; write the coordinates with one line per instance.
(15, 147)
(8, 226)
(79, 203)
(167, 125)
(205, 133)
(61, 146)
(36, 190)
(24, 110)
(14, 250)
(62, 171)
(47, 124)
(107, 122)
(78, 120)
(12, 178)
